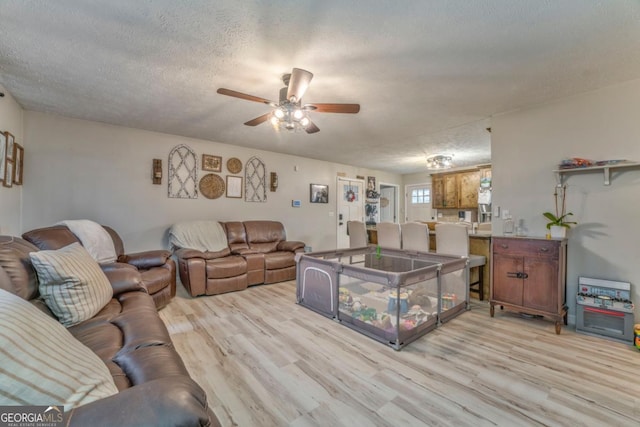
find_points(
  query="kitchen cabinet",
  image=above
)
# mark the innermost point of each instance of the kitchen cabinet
(529, 276)
(437, 187)
(468, 184)
(455, 190)
(445, 191)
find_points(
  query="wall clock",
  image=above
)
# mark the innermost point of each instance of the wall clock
(212, 186)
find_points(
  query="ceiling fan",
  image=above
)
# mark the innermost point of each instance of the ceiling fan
(289, 112)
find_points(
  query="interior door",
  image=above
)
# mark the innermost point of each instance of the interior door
(388, 203)
(418, 201)
(350, 207)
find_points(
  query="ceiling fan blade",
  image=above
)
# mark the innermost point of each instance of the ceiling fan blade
(333, 108)
(298, 83)
(258, 120)
(312, 128)
(235, 94)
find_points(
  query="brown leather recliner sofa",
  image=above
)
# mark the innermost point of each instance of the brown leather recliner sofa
(258, 252)
(128, 335)
(156, 268)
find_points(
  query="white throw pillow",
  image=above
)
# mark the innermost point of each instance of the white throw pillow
(41, 363)
(71, 282)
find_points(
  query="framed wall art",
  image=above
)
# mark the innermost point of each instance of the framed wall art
(183, 173)
(8, 173)
(255, 181)
(18, 163)
(234, 187)
(3, 154)
(319, 193)
(211, 163)
(10, 142)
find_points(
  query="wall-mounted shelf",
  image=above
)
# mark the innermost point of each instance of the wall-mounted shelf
(606, 170)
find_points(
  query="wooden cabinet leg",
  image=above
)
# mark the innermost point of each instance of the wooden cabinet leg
(492, 310)
(558, 327)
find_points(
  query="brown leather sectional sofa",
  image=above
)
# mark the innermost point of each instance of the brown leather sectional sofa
(130, 338)
(156, 268)
(258, 252)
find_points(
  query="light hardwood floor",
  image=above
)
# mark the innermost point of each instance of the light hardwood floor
(266, 361)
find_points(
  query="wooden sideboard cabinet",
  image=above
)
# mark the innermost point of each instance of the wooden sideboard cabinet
(529, 276)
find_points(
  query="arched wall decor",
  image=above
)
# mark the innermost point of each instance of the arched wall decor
(183, 173)
(255, 189)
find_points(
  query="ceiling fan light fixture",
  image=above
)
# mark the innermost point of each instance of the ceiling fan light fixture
(289, 113)
(440, 161)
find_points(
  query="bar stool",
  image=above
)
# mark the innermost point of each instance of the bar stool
(415, 236)
(453, 239)
(389, 235)
(357, 232)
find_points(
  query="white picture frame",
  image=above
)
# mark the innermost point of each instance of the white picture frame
(234, 187)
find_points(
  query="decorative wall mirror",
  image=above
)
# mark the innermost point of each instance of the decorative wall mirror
(183, 173)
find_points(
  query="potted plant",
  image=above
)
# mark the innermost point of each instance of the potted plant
(558, 224)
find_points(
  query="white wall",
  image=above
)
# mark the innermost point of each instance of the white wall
(80, 169)
(527, 145)
(11, 198)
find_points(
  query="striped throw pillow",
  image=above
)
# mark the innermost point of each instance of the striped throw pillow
(41, 363)
(71, 282)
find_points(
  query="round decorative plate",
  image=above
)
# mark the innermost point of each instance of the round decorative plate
(212, 186)
(234, 165)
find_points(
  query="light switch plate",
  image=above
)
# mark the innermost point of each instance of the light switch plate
(496, 211)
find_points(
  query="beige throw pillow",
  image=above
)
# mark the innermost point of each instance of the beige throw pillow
(41, 363)
(71, 282)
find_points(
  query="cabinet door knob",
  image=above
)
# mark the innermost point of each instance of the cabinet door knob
(544, 249)
(504, 246)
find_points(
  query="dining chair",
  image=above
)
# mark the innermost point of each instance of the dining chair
(415, 236)
(389, 235)
(357, 232)
(453, 239)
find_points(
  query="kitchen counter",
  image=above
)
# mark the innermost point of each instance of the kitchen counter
(477, 234)
(479, 244)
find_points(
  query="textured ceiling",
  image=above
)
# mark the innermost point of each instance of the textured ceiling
(428, 74)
